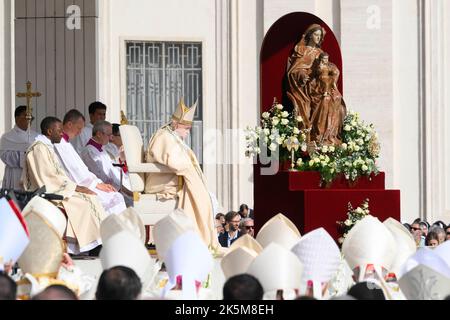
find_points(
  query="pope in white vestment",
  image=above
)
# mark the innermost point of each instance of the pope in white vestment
(42, 167)
(112, 201)
(13, 145)
(187, 182)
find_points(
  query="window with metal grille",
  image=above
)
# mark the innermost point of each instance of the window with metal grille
(158, 75)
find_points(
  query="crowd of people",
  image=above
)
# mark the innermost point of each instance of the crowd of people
(72, 159)
(428, 235)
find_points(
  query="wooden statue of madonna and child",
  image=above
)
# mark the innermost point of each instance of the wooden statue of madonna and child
(311, 86)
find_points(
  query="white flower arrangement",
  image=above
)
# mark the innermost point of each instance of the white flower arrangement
(353, 216)
(355, 157)
(278, 128)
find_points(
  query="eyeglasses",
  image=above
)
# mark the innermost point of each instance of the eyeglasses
(249, 227)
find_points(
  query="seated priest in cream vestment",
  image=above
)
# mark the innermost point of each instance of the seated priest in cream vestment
(42, 167)
(77, 171)
(13, 146)
(187, 183)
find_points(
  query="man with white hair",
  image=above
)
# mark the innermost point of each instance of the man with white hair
(247, 226)
(98, 161)
(186, 182)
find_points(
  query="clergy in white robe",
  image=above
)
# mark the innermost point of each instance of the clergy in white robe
(42, 167)
(99, 162)
(13, 145)
(73, 123)
(97, 112)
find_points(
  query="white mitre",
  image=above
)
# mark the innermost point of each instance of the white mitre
(246, 241)
(122, 248)
(126, 220)
(49, 212)
(237, 261)
(41, 261)
(405, 244)
(189, 258)
(320, 257)
(278, 229)
(443, 251)
(425, 283)
(46, 224)
(427, 257)
(369, 242)
(168, 229)
(277, 268)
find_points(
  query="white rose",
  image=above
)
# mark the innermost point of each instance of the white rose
(267, 131)
(279, 140)
(360, 141)
(311, 163)
(331, 149)
(353, 123)
(299, 162)
(357, 148)
(275, 121)
(359, 210)
(284, 121)
(271, 137)
(348, 222)
(296, 130)
(285, 114)
(299, 119)
(279, 106)
(344, 146)
(347, 128)
(364, 168)
(325, 149)
(265, 115)
(316, 160)
(273, 146)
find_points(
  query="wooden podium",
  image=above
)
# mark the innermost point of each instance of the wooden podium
(298, 196)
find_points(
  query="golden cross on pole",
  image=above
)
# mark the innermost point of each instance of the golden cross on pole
(29, 95)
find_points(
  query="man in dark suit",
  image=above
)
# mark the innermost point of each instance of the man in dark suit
(245, 212)
(232, 218)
